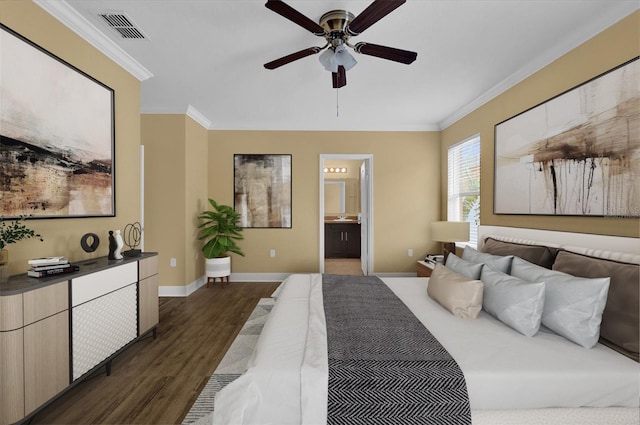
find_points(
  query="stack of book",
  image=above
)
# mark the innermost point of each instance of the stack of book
(49, 266)
(433, 259)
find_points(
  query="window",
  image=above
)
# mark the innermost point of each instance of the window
(464, 185)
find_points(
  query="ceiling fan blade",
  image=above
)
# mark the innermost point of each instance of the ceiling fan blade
(283, 9)
(339, 78)
(372, 14)
(292, 57)
(389, 53)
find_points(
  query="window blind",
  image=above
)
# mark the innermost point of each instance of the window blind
(464, 184)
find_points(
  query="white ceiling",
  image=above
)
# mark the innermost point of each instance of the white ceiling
(206, 57)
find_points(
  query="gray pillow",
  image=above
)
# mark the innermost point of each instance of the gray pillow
(536, 254)
(621, 317)
(464, 267)
(515, 302)
(495, 262)
(455, 292)
(572, 305)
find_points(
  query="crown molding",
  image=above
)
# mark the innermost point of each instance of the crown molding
(607, 20)
(190, 111)
(198, 117)
(68, 16)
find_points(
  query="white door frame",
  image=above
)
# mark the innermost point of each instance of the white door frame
(366, 209)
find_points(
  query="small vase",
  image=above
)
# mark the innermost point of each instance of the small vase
(4, 266)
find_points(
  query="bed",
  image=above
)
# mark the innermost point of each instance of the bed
(510, 378)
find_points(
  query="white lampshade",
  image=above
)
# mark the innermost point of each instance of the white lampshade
(332, 58)
(450, 231)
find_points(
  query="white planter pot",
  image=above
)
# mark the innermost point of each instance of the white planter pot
(218, 267)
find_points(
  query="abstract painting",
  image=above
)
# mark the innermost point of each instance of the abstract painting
(56, 136)
(262, 190)
(577, 154)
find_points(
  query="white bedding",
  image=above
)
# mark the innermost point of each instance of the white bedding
(505, 371)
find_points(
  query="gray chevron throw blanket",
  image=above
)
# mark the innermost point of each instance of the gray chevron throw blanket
(385, 367)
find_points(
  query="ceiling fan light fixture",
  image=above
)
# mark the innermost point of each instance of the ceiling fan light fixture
(337, 27)
(328, 61)
(336, 56)
(344, 58)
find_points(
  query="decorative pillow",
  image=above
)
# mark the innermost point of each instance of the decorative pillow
(515, 302)
(620, 320)
(536, 254)
(455, 292)
(495, 262)
(572, 305)
(464, 267)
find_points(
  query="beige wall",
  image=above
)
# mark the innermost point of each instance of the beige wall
(175, 192)
(185, 163)
(607, 50)
(62, 236)
(406, 169)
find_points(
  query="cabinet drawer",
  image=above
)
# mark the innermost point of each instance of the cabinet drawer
(11, 316)
(148, 267)
(45, 302)
(94, 285)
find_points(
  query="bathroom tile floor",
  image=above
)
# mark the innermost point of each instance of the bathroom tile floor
(348, 266)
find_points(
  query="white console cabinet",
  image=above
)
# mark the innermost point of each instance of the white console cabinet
(57, 330)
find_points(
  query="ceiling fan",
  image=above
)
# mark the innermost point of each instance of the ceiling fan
(337, 26)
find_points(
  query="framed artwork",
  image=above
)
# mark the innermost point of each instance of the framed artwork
(57, 137)
(577, 154)
(262, 190)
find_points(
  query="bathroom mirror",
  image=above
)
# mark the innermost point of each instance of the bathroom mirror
(334, 196)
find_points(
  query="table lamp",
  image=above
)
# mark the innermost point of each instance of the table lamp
(450, 232)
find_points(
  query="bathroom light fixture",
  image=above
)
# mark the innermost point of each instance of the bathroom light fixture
(335, 170)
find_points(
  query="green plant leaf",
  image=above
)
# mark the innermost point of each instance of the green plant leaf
(220, 231)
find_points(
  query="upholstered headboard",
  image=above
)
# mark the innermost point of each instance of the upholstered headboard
(617, 244)
(587, 256)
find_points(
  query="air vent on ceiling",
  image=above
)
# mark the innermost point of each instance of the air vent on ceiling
(121, 23)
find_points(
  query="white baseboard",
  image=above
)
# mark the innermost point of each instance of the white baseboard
(186, 290)
(181, 291)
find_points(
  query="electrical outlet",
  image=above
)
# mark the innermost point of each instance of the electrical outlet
(410, 252)
(272, 253)
(172, 262)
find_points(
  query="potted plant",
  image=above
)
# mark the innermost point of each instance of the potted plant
(220, 230)
(12, 232)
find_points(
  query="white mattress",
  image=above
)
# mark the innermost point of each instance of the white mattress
(504, 370)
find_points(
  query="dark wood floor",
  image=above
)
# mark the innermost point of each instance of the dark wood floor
(157, 381)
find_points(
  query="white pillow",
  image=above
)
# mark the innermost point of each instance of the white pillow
(515, 302)
(464, 267)
(573, 306)
(455, 292)
(496, 262)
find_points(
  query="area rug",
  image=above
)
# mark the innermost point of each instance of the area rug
(233, 364)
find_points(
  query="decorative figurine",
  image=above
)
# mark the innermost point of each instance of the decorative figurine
(113, 245)
(119, 244)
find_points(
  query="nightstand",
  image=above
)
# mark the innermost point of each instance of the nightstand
(424, 268)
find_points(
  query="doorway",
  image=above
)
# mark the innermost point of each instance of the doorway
(362, 169)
